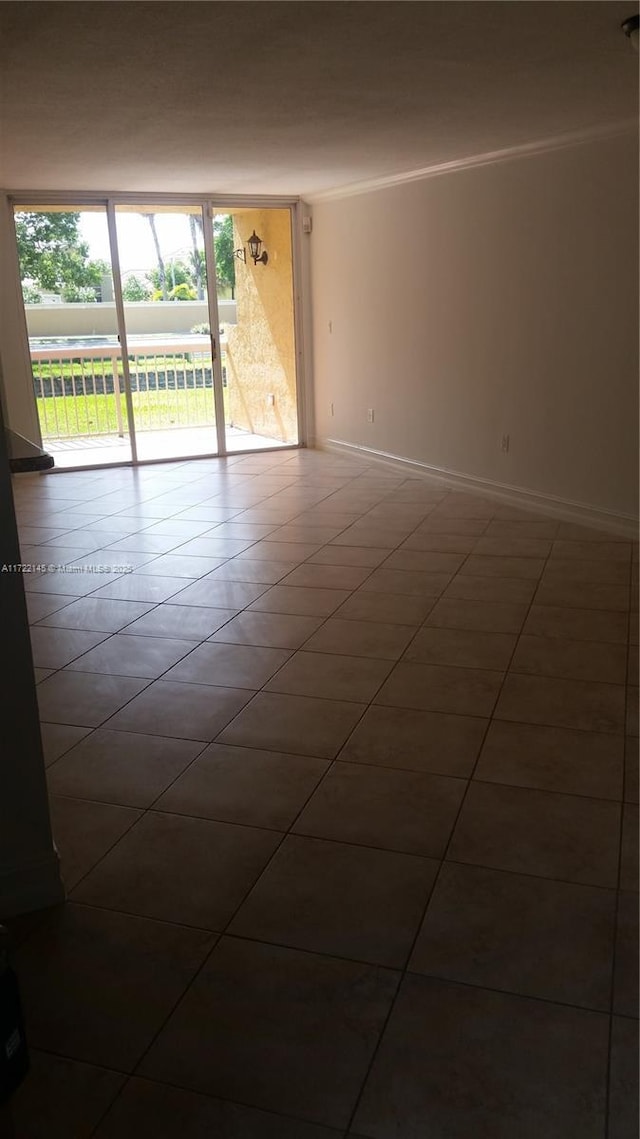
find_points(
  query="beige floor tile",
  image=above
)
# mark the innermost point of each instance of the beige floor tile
(623, 1079)
(360, 638)
(583, 595)
(452, 1062)
(212, 547)
(416, 741)
(629, 849)
(296, 724)
(121, 767)
(429, 541)
(183, 711)
(536, 832)
(85, 699)
(176, 869)
(424, 561)
(230, 666)
(164, 1112)
(300, 601)
(573, 660)
(510, 547)
(258, 572)
(40, 605)
(407, 811)
(330, 676)
(54, 648)
(246, 786)
(327, 576)
(576, 624)
(181, 622)
(62, 1097)
(552, 759)
(137, 587)
(574, 570)
(593, 550)
(481, 565)
(179, 565)
(84, 832)
(410, 583)
(467, 527)
(484, 616)
(97, 614)
(329, 897)
(469, 649)
(587, 705)
(97, 986)
(625, 981)
(631, 769)
(349, 556)
(277, 1028)
(219, 594)
(439, 688)
(503, 589)
(390, 608)
(520, 934)
(631, 719)
(272, 630)
(130, 655)
(58, 738)
(524, 528)
(294, 552)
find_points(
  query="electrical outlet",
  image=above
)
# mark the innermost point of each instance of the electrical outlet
(369, 415)
(504, 445)
(331, 411)
(271, 399)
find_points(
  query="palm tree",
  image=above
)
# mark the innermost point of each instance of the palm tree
(151, 218)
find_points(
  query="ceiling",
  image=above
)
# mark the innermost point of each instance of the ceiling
(295, 97)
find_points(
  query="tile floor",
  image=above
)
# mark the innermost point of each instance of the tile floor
(344, 783)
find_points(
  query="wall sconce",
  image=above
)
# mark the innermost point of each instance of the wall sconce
(255, 245)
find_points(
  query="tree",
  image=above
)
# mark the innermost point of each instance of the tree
(176, 274)
(133, 289)
(53, 256)
(225, 260)
(151, 218)
(197, 255)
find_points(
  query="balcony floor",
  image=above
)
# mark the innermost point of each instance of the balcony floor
(177, 443)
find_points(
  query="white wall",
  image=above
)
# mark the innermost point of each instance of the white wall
(518, 314)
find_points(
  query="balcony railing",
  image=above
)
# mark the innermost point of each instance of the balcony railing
(79, 388)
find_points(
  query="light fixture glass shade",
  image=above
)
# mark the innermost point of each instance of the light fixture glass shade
(254, 244)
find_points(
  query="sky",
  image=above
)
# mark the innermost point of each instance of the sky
(135, 243)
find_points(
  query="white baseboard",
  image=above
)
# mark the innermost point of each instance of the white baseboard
(624, 525)
(31, 887)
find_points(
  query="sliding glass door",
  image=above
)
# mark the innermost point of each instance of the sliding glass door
(78, 374)
(159, 330)
(255, 276)
(167, 315)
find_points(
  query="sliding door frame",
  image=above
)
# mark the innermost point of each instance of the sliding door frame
(210, 204)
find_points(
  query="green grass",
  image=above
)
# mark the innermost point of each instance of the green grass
(66, 416)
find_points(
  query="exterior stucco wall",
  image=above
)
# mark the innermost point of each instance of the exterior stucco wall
(260, 354)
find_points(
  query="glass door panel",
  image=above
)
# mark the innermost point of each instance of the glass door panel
(67, 288)
(163, 271)
(257, 330)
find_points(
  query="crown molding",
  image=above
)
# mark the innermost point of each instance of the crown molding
(490, 158)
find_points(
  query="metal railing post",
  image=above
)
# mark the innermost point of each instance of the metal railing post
(116, 392)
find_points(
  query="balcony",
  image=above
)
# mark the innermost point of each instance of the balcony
(79, 391)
